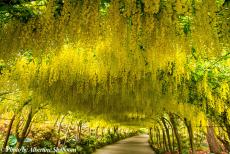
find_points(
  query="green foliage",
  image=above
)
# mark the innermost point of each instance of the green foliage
(47, 144)
(5, 16)
(58, 7)
(104, 6)
(71, 142)
(44, 138)
(22, 13)
(220, 2)
(185, 22)
(12, 141)
(28, 55)
(21, 10)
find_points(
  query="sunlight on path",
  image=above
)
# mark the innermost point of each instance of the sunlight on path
(133, 145)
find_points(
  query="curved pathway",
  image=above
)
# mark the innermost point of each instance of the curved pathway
(132, 145)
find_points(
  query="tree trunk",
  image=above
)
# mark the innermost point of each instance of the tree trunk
(156, 138)
(55, 123)
(228, 129)
(25, 129)
(175, 130)
(214, 146)
(109, 131)
(17, 115)
(96, 133)
(89, 131)
(165, 147)
(8, 133)
(167, 134)
(225, 143)
(79, 130)
(190, 133)
(150, 135)
(17, 127)
(115, 130)
(226, 123)
(59, 130)
(159, 137)
(67, 134)
(102, 131)
(173, 141)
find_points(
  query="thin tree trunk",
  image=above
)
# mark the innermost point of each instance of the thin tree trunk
(150, 134)
(79, 130)
(159, 137)
(214, 146)
(109, 131)
(226, 123)
(173, 141)
(25, 129)
(190, 133)
(97, 132)
(102, 131)
(67, 134)
(29, 129)
(165, 147)
(59, 130)
(167, 134)
(17, 127)
(55, 123)
(175, 130)
(157, 132)
(8, 133)
(17, 115)
(115, 130)
(225, 143)
(89, 131)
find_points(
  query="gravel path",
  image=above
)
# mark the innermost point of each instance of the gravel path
(132, 145)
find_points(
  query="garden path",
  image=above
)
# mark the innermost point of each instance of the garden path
(133, 145)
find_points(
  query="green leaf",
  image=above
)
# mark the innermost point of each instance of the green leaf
(12, 140)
